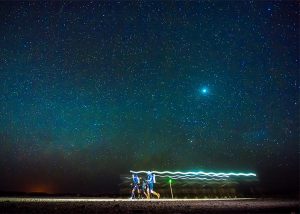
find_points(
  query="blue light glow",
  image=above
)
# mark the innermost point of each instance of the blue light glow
(203, 90)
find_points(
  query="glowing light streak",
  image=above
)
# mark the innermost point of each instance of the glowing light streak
(212, 174)
(176, 177)
(193, 175)
(192, 178)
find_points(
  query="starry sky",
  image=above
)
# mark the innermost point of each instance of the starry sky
(93, 89)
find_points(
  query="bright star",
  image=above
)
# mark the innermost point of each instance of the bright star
(204, 91)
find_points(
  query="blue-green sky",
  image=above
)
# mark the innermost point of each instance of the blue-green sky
(92, 89)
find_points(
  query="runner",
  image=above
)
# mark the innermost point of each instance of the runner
(136, 182)
(151, 181)
(143, 189)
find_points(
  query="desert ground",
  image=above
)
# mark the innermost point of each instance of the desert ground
(99, 205)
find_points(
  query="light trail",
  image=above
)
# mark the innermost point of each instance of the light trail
(191, 178)
(186, 178)
(193, 175)
(211, 174)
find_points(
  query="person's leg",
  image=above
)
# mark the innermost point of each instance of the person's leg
(139, 192)
(156, 194)
(151, 189)
(132, 193)
(145, 193)
(148, 192)
(153, 192)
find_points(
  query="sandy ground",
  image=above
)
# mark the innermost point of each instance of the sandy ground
(96, 205)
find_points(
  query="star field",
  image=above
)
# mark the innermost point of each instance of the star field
(90, 90)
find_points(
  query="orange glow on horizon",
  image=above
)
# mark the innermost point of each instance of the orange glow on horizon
(41, 188)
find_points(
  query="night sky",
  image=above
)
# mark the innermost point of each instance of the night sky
(91, 90)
